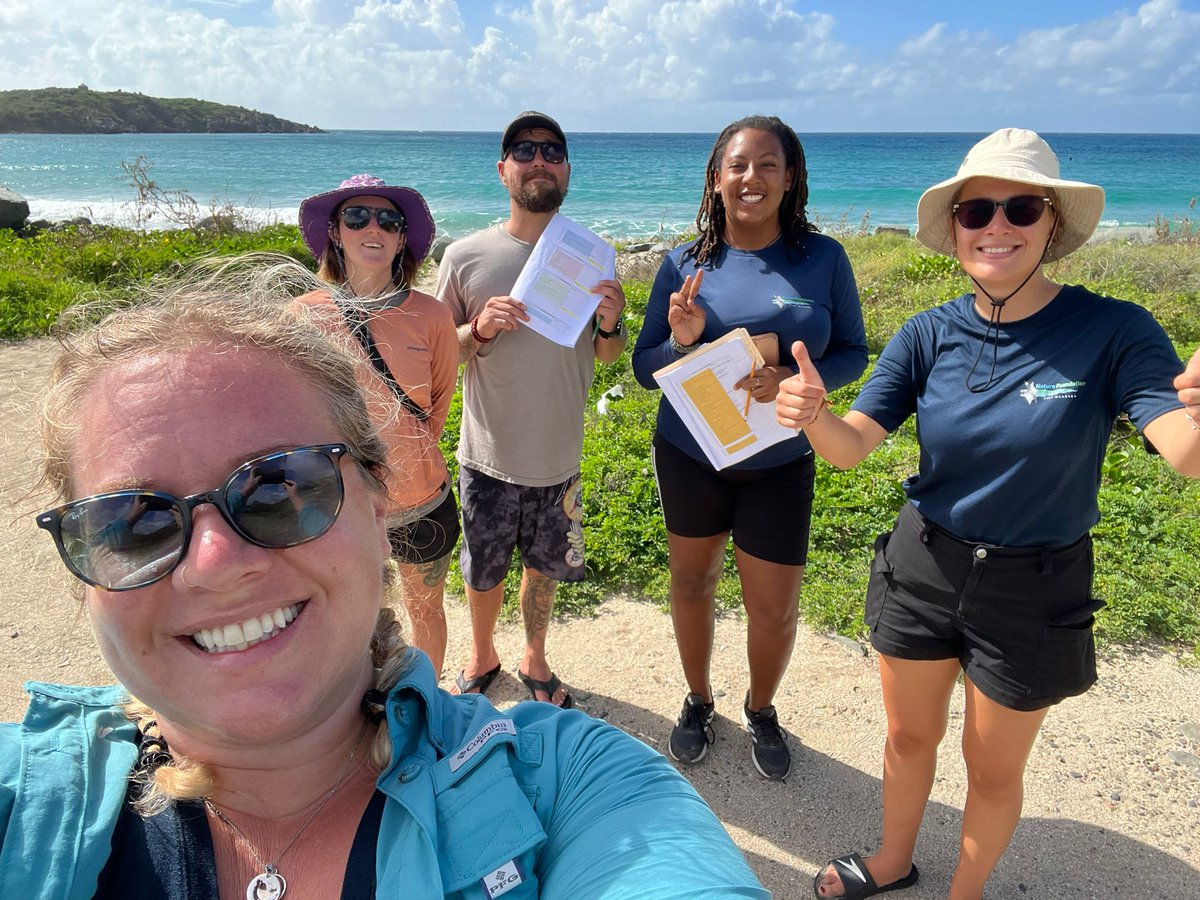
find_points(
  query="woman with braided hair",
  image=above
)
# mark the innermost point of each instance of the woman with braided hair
(758, 263)
(223, 496)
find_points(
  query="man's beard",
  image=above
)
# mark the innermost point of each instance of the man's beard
(539, 195)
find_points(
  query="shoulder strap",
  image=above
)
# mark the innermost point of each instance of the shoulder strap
(358, 326)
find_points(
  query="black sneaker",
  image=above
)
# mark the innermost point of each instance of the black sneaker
(693, 732)
(770, 751)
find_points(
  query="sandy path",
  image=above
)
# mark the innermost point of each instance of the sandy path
(1112, 795)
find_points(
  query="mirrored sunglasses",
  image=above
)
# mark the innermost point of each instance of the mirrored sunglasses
(124, 540)
(552, 151)
(1022, 211)
(358, 217)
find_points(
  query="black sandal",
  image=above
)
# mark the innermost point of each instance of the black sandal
(857, 881)
(477, 685)
(548, 687)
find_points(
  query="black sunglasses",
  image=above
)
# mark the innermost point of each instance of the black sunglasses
(552, 151)
(390, 220)
(1021, 211)
(124, 540)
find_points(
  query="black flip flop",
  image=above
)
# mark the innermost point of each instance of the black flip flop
(477, 685)
(857, 881)
(548, 687)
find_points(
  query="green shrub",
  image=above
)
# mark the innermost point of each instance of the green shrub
(1145, 542)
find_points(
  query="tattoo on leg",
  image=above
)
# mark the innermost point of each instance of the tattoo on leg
(434, 573)
(537, 603)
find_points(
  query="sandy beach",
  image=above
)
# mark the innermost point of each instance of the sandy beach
(1112, 793)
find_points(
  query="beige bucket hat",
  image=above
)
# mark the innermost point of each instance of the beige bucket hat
(1013, 154)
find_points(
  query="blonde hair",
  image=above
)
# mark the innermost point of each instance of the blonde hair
(228, 306)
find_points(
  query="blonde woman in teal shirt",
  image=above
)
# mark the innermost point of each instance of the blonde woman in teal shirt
(271, 734)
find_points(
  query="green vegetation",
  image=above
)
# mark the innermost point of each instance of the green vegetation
(1146, 542)
(82, 111)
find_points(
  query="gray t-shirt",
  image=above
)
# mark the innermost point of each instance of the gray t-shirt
(523, 394)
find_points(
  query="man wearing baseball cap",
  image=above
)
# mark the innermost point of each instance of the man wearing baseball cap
(522, 419)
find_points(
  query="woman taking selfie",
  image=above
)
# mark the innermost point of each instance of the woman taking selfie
(224, 500)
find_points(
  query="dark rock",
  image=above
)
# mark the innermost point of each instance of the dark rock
(1189, 761)
(888, 229)
(83, 223)
(440, 243)
(638, 248)
(14, 209)
(850, 644)
(218, 223)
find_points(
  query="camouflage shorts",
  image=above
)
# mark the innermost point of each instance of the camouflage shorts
(544, 523)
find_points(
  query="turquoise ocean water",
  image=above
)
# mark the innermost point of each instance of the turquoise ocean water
(623, 185)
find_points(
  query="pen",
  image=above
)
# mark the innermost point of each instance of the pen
(746, 411)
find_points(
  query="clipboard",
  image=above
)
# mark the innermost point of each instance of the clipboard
(768, 346)
(700, 388)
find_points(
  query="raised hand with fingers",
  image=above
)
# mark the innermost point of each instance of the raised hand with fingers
(685, 315)
(801, 396)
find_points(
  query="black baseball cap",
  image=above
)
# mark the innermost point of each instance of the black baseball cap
(531, 118)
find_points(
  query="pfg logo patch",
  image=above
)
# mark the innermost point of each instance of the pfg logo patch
(503, 880)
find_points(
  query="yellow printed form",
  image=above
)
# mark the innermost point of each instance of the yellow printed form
(717, 409)
(702, 388)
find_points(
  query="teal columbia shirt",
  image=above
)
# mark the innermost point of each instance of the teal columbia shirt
(531, 802)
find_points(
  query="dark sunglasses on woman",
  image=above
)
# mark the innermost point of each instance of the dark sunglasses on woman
(357, 217)
(1022, 211)
(122, 540)
(552, 151)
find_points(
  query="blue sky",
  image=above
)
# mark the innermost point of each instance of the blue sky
(633, 65)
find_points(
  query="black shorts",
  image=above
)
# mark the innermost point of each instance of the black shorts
(1019, 620)
(428, 538)
(769, 511)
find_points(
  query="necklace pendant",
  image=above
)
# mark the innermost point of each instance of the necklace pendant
(270, 885)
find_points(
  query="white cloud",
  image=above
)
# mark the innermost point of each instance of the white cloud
(613, 64)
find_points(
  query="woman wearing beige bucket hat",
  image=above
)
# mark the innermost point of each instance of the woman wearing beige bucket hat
(369, 239)
(988, 570)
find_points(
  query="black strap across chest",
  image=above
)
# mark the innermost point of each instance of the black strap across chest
(357, 323)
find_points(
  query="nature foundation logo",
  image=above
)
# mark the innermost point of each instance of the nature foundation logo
(783, 302)
(1062, 390)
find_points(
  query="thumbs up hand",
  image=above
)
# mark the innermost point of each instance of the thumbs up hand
(800, 397)
(1188, 385)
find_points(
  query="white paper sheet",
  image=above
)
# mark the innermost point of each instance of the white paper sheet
(558, 277)
(700, 387)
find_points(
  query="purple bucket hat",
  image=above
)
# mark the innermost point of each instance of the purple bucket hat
(317, 211)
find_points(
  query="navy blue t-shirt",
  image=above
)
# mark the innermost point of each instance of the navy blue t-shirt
(805, 294)
(1018, 464)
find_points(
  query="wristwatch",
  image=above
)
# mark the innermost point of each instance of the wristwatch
(617, 331)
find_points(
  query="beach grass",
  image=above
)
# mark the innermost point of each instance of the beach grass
(1145, 542)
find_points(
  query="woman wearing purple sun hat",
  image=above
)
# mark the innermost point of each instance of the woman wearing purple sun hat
(369, 239)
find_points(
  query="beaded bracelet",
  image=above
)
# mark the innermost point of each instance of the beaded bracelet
(680, 348)
(475, 332)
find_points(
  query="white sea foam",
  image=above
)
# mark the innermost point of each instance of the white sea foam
(124, 214)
